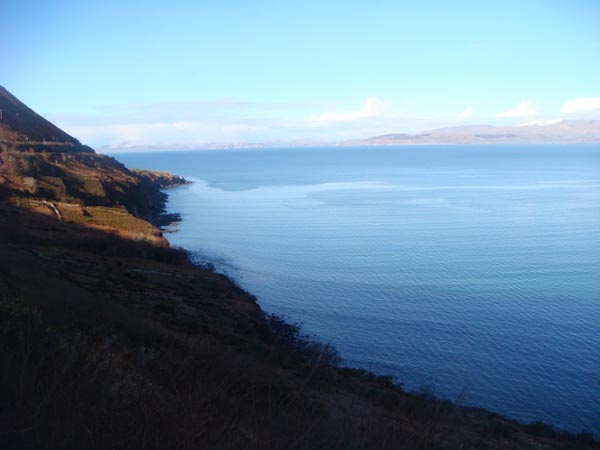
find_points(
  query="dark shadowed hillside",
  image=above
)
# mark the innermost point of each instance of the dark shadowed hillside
(18, 123)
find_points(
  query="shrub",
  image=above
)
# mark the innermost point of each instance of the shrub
(541, 429)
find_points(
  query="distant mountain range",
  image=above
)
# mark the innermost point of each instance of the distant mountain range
(555, 132)
(20, 125)
(536, 132)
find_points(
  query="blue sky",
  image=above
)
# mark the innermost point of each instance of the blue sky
(122, 73)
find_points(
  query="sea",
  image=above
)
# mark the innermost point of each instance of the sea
(470, 272)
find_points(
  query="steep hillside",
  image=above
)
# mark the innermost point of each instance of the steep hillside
(38, 160)
(77, 177)
(20, 124)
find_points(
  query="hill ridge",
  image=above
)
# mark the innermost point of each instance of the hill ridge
(21, 124)
(558, 132)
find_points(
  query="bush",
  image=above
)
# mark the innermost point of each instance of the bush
(320, 355)
(541, 429)
(19, 324)
(501, 429)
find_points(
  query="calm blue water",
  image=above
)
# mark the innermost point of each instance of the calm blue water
(472, 270)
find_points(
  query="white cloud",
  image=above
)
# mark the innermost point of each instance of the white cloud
(540, 122)
(523, 109)
(466, 113)
(373, 107)
(581, 105)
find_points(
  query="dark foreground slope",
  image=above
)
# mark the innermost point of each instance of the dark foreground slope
(109, 338)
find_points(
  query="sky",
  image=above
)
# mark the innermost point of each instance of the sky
(121, 73)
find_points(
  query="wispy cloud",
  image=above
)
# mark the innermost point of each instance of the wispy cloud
(185, 122)
(466, 114)
(117, 133)
(523, 109)
(540, 122)
(582, 104)
(229, 120)
(373, 107)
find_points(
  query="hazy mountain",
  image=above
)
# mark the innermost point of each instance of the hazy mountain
(560, 132)
(536, 132)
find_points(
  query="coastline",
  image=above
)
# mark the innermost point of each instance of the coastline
(155, 308)
(110, 337)
(288, 334)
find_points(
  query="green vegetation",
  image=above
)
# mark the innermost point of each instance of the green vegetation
(94, 188)
(116, 218)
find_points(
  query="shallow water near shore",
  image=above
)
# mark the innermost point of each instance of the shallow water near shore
(472, 270)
